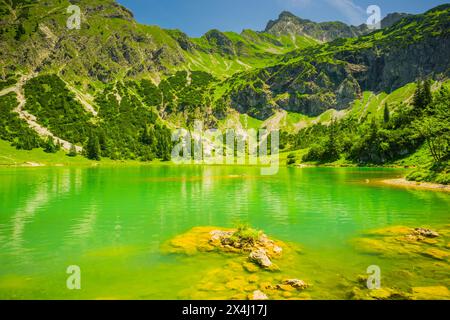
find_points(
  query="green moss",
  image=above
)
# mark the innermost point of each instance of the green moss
(245, 234)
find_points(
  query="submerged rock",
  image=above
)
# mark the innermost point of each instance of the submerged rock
(425, 258)
(285, 287)
(190, 243)
(431, 293)
(436, 254)
(236, 284)
(362, 293)
(403, 241)
(380, 294)
(296, 283)
(250, 267)
(239, 296)
(390, 231)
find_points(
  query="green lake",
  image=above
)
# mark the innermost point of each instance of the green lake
(113, 222)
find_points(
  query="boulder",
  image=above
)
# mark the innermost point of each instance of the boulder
(427, 233)
(277, 249)
(219, 235)
(296, 283)
(260, 257)
(258, 295)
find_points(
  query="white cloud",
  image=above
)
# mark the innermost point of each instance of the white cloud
(354, 13)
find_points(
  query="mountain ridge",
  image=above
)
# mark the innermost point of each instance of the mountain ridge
(138, 81)
(290, 24)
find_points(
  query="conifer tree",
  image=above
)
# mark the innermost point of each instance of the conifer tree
(387, 113)
(93, 148)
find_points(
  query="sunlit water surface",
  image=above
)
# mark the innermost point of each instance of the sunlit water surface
(112, 223)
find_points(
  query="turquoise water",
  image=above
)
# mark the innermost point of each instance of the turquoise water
(112, 223)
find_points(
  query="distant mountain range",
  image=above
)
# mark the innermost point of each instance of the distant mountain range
(289, 24)
(113, 44)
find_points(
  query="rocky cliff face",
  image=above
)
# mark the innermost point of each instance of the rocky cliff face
(393, 18)
(321, 86)
(399, 65)
(333, 75)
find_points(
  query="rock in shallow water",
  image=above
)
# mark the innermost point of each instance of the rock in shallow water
(285, 287)
(296, 283)
(436, 254)
(427, 233)
(260, 257)
(218, 235)
(258, 295)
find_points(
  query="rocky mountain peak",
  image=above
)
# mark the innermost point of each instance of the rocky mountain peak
(286, 15)
(289, 24)
(393, 18)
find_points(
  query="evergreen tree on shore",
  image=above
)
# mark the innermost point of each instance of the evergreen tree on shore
(423, 96)
(93, 148)
(49, 146)
(72, 151)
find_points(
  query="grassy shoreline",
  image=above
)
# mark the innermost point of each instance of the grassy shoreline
(13, 158)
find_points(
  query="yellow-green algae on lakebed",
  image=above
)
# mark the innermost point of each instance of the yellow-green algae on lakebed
(241, 278)
(426, 250)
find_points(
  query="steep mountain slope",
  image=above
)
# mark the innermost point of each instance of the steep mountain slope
(108, 45)
(111, 45)
(333, 75)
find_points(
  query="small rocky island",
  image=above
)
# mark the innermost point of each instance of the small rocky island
(251, 272)
(255, 267)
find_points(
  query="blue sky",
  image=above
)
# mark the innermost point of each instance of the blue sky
(195, 17)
